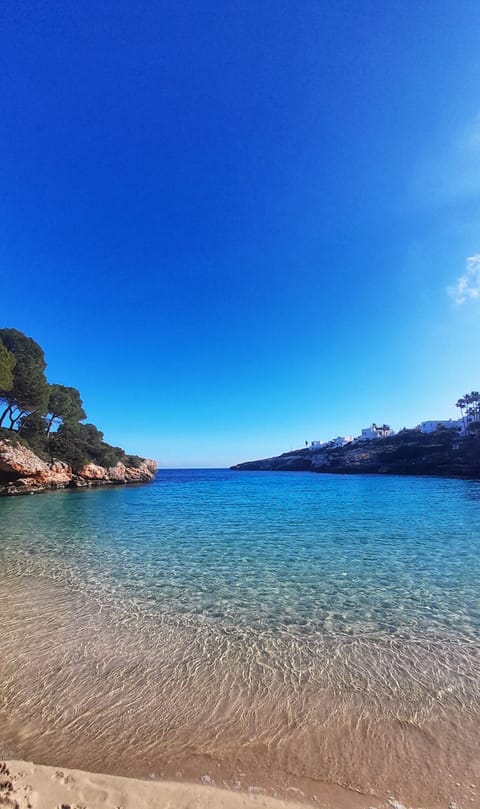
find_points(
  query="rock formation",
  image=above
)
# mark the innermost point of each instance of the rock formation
(23, 472)
(407, 453)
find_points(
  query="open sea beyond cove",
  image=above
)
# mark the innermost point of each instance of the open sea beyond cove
(277, 631)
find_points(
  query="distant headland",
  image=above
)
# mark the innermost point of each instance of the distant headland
(44, 442)
(444, 447)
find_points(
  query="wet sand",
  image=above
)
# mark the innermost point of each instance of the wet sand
(79, 690)
(24, 785)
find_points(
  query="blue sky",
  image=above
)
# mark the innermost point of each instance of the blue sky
(238, 226)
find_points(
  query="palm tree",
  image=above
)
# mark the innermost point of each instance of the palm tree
(461, 404)
(474, 404)
(471, 403)
(468, 409)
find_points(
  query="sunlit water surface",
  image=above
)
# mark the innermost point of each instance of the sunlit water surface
(268, 628)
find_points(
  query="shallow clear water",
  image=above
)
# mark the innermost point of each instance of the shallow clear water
(276, 604)
(308, 552)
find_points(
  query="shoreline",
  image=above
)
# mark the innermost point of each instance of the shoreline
(25, 785)
(24, 472)
(15, 490)
(410, 452)
(363, 472)
(98, 681)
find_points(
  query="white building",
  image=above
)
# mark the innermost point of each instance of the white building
(372, 432)
(339, 441)
(460, 425)
(434, 424)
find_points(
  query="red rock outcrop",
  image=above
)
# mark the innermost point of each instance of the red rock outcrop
(23, 472)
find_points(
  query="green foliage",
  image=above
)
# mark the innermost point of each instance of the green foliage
(33, 409)
(97, 450)
(472, 404)
(7, 364)
(470, 409)
(64, 405)
(133, 460)
(13, 438)
(33, 431)
(79, 444)
(68, 445)
(29, 391)
(110, 456)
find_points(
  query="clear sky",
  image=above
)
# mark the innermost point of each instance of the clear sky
(237, 226)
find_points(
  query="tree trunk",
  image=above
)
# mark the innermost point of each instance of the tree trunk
(4, 414)
(49, 425)
(13, 421)
(22, 413)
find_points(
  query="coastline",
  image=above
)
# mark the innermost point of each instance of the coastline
(24, 785)
(24, 472)
(438, 454)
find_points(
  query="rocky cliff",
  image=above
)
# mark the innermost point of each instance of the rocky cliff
(407, 453)
(23, 472)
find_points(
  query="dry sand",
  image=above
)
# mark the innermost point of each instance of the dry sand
(32, 786)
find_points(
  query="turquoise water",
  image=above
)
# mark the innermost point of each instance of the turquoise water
(309, 552)
(275, 621)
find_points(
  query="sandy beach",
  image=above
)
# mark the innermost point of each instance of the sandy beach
(24, 785)
(106, 667)
(31, 786)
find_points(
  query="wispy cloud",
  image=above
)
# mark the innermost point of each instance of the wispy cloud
(468, 285)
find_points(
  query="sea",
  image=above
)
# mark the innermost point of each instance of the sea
(275, 632)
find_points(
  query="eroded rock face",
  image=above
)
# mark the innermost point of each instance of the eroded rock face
(23, 472)
(119, 473)
(409, 452)
(17, 459)
(132, 474)
(91, 471)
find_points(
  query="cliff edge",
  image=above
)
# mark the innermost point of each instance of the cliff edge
(409, 452)
(23, 472)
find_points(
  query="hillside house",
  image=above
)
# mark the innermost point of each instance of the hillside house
(374, 431)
